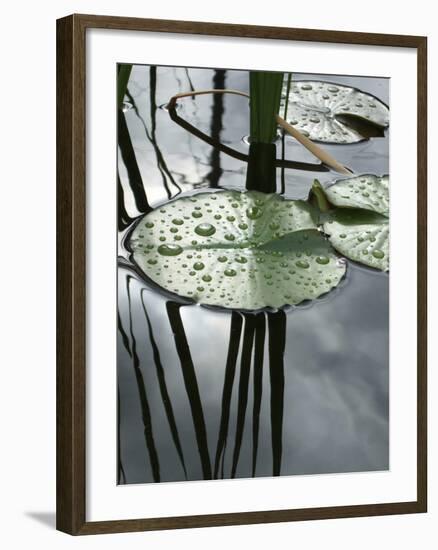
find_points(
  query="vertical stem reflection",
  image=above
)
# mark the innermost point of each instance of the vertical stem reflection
(191, 385)
(161, 163)
(146, 413)
(123, 334)
(130, 161)
(259, 351)
(163, 388)
(124, 219)
(277, 341)
(189, 80)
(215, 173)
(123, 74)
(121, 475)
(245, 366)
(230, 371)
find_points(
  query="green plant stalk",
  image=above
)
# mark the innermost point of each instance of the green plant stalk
(283, 180)
(317, 193)
(261, 171)
(265, 95)
(122, 83)
(286, 104)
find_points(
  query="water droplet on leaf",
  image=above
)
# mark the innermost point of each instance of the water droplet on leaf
(169, 249)
(205, 230)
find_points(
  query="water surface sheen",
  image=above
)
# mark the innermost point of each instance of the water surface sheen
(207, 393)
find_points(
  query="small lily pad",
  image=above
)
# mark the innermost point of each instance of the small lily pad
(244, 250)
(368, 192)
(359, 227)
(334, 113)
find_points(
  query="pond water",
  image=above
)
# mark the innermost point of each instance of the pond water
(206, 393)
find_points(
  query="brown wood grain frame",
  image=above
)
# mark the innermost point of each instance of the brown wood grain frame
(71, 271)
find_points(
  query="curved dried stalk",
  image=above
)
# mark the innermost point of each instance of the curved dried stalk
(317, 151)
(296, 165)
(174, 98)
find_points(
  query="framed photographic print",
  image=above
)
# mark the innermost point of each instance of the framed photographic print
(241, 279)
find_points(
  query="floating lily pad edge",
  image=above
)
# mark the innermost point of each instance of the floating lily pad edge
(358, 225)
(283, 260)
(320, 111)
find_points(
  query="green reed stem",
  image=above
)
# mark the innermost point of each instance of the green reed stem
(265, 94)
(286, 104)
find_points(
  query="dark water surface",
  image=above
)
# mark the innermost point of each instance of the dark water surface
(205, 393)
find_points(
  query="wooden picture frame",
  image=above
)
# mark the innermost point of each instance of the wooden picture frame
(71, 271)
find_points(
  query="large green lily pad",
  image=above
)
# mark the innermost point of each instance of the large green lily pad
(322, 111)
(359, 227)
(245, 250)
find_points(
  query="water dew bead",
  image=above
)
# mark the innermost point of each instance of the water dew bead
(303, 264)
(205, 230)
(254, 212)
(169, 249)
